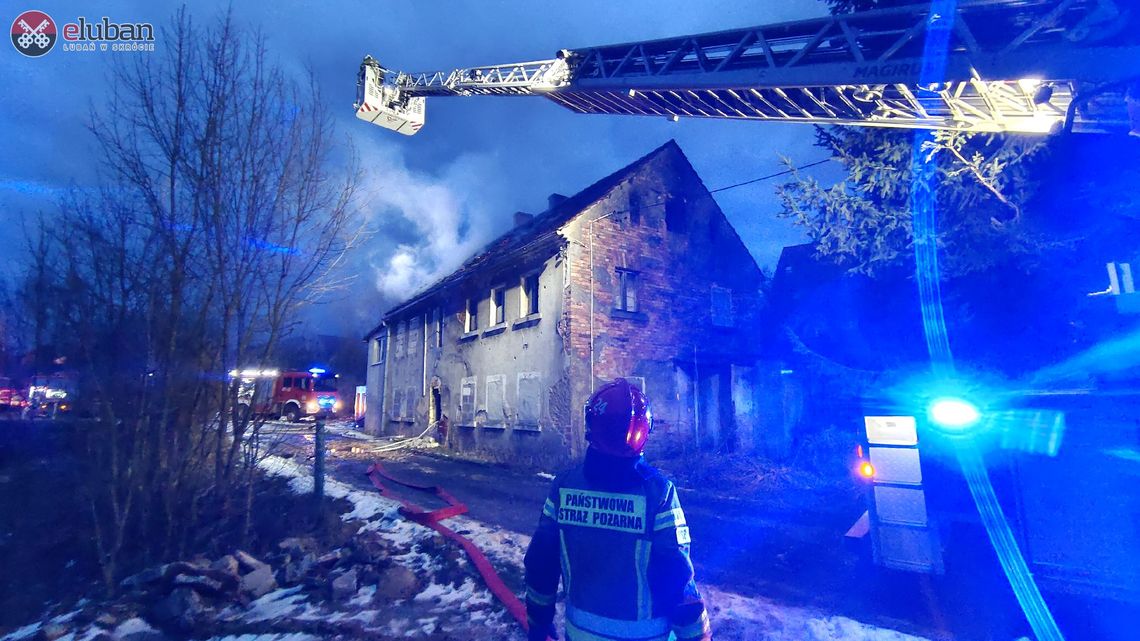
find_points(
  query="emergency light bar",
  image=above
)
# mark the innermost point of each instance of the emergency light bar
(254, 373)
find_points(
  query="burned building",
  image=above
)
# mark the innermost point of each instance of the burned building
(639, 275)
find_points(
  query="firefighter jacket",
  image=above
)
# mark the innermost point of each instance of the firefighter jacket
(614, 532)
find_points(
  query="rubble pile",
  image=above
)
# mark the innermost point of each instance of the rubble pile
(373, 586)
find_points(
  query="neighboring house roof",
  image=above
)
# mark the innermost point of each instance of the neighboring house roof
(799, 269)
(539, 232)
(845, 318)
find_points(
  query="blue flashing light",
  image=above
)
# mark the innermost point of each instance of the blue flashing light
(954, 413)
(316, 371)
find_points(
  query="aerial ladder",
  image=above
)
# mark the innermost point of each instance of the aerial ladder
(1018, 66)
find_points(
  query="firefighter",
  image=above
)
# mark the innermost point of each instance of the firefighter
(613, 531)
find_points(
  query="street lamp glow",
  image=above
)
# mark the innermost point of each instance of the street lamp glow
(954, 413)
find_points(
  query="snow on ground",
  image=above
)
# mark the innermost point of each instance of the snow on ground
(462, 605)
(295, 636)
(444, 605)
(742, 618)
(32, 629)
(734, 617)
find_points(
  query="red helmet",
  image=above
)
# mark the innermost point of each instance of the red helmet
(618, 419)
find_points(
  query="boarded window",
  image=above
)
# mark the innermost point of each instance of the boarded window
(627, 290)
(467, 400)
(397, 405)
(410, 398)
(398, 335)
(721, 306)
(530, 398)
(496, 406)
(529, 299)
(415, 332)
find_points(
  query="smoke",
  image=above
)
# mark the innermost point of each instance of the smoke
(429, 222)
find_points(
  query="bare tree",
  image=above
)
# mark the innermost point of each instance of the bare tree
(220, 216)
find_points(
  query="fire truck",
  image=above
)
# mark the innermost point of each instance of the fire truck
(1037, 67)
(50, 395)
(1047, 468)
(11, 396)
(290, 395)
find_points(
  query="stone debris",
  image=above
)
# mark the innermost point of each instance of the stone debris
(296, 569)
(247, 562)
(344, 586)
(258, 583)
(398, 582)
(298, 544)
(386, 580)
(180, 610)
(228, 564)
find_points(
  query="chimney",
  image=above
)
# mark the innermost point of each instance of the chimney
(522, 218)
(554, 200)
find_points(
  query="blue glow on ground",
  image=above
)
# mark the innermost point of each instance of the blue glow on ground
(925, 225)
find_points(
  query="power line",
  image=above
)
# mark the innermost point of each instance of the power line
(770, 176)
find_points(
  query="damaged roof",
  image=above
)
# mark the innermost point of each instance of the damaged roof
(541, 232)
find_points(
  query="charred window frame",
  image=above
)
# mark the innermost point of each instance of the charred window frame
(471, 315)
(528, 301)
(498, 306)
(379, 348)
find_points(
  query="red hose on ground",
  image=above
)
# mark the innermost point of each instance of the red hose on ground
(432, 519)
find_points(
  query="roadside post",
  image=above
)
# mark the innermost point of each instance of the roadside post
(319, 460)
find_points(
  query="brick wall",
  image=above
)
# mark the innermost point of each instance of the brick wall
(663, 226)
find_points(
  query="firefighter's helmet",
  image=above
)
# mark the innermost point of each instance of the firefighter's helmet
(618, 419)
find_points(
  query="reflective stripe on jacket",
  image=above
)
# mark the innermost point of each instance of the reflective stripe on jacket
(614, 532)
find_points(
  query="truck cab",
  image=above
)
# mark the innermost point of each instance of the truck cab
(51, 395)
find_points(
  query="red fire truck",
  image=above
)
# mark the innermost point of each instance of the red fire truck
(289, 394)
(11, 396)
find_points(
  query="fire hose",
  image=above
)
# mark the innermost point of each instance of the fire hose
(432, 518)
(391, 447)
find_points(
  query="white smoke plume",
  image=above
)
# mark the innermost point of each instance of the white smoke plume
(451, 213)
